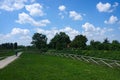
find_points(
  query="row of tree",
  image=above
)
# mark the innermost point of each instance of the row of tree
(8, 45)
(62, 41)
(105, 45)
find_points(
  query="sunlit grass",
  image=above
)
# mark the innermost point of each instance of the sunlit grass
(45, 67)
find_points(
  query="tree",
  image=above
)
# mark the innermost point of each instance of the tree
(115, 45)
(15, 45)
(79, 42)
(106, 44)
(96, 45)
(7, 46)
(39, 41)
(60, 41)
(106, 41)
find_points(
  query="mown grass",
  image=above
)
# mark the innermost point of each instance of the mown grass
(32, 66)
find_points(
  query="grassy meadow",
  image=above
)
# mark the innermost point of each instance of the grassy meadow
(33, 66)
(107, 54)
(4, 53)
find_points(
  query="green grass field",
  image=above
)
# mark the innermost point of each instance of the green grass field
(4, 53)
(115, 55)
(31, 66)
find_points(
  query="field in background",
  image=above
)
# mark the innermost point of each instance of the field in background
(33, 66)
(4, 53)
(115, 55)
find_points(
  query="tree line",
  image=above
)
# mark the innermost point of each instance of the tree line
(62, 41)
(8, 45)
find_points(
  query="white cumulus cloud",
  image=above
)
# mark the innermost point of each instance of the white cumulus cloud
(11, 5)
(75, 16)
(21, 36)
(35, 9)
(25, 18)
(51, 33)
(106, 7)
(93, 32)
(112, 20)
(62, 8)
(19, 31)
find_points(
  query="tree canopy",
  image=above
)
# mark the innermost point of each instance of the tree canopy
(8, 45)
(39, 41)
(79, 42)
(60, 41)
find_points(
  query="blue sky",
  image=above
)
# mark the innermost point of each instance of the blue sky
(97, 19)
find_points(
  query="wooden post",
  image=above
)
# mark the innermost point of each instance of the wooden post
(106, 63)
(94, 61)
(84, 59)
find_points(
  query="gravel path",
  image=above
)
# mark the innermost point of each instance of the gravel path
(8, 60)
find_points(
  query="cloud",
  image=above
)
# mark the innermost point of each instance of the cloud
(89, 29)
(11, 5)
(35, 9)
(61, 15)
(62, 8)
(75, 16)
(62, 12)
(106, 7)
(17, 35)
(103, 7)
(70, 31)
(112, 20)
(25, 18)
(51, 33)
(19, 31)
(93, 32)
(115, 4)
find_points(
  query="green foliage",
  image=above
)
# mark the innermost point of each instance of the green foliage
(43, 67)
(60, 41)
(115, 45)
(105, 45)
(96, 45)
(79, 42)
(40, 41)
(15, 45)
(115, 55)
(8, 46)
